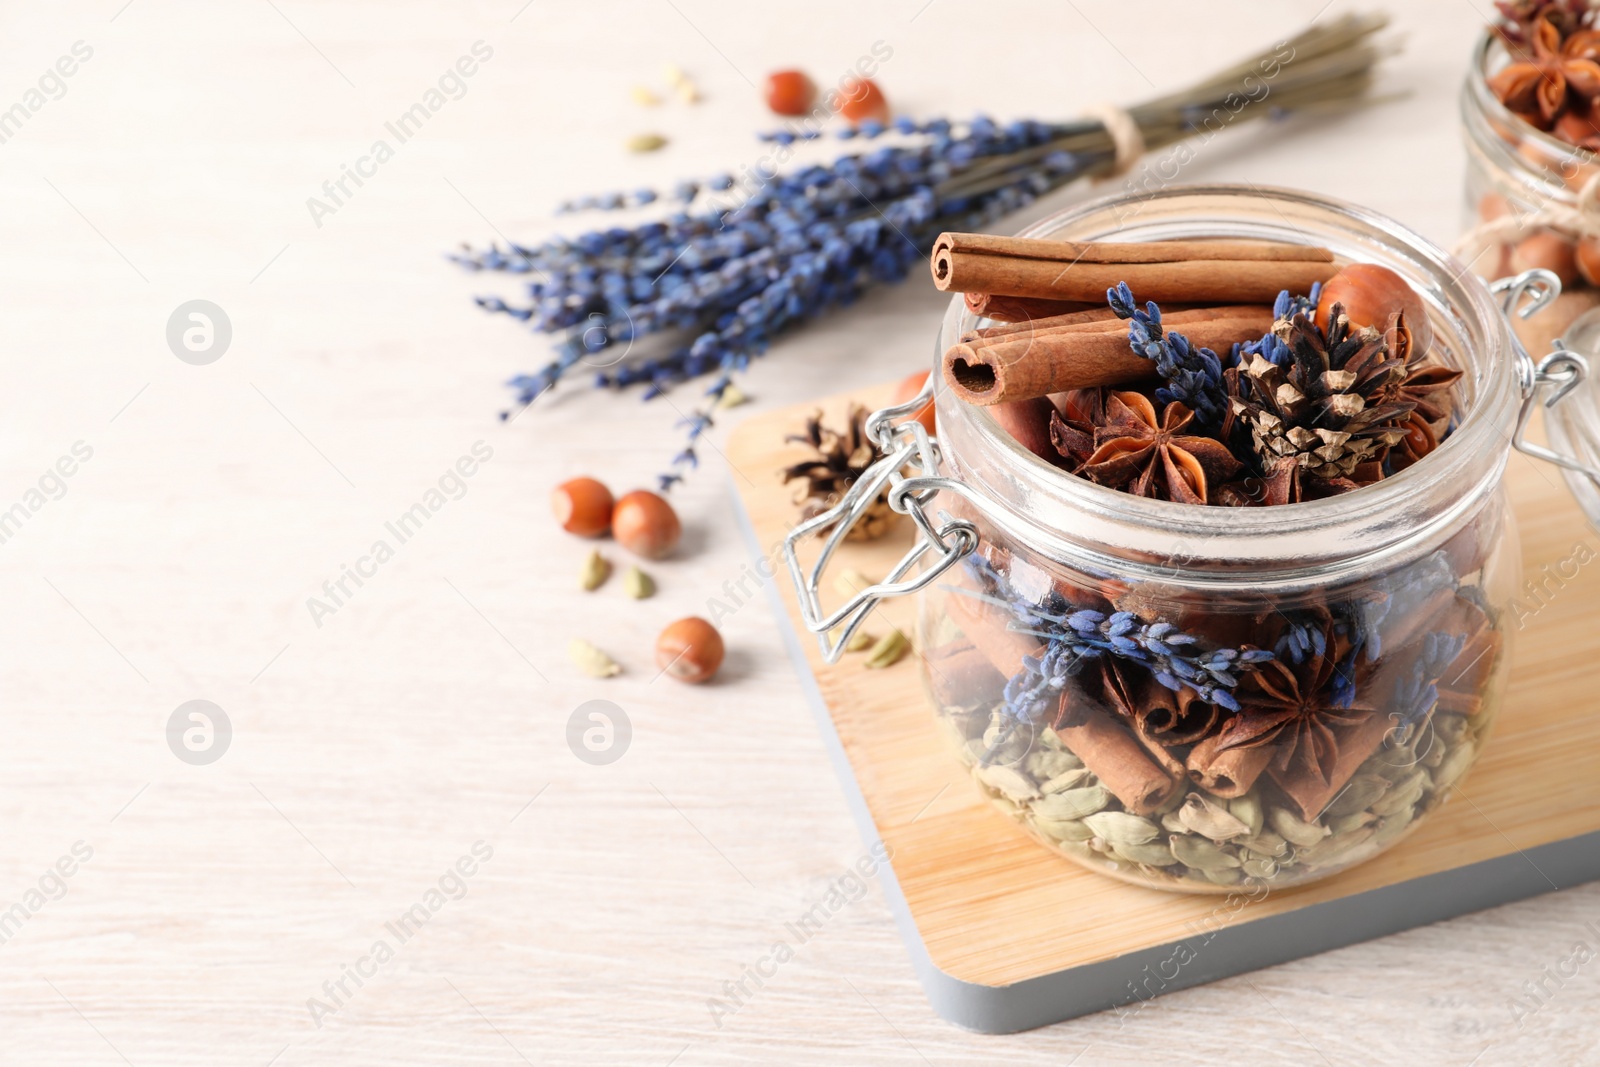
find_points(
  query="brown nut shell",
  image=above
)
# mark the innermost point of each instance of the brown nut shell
(690, 650)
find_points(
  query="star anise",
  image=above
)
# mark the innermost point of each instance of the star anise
(1425, 387)
(1519, 16)
(1151, 456)
(1296, 710)
(1550, 75)
(1072, 430)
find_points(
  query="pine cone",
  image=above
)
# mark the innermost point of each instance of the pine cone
(1326, 409)
(840, 458)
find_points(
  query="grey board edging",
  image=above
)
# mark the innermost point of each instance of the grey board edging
(1126, 981)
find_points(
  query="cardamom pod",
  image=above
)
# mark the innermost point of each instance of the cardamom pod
(1046, 763)
(1261, 867)
(637, 584)
(1417, 775)
(1224, 876)
(1064, 829)
(1197, 852)
(1008, 780)
(1119, 828)
(590, 660)
(1354, 821)
(1171, 824)
(1454, 765)
(1391, 827)
(595, 570)
(1398, 800)
(1294, 829)
(850, 581)
(1450, 726)
(1266, 844)
(1209, 819)
(646, 142)
(1337, 851)
(1247, 809)
(889, 650)
(1073, 803)
(1357, 795)
(1073, 779)
(859, 641)
(1151, 854)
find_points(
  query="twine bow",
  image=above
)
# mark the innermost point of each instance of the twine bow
(1580, 219)
(1127, 142)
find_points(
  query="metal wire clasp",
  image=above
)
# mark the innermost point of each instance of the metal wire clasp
(1553, 377)
(904, 445)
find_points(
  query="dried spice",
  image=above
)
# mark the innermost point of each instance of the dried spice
(590, 660)
(637, 584)
(839, 458)
(1147, 456)
(888, 650)
(1074, 424)
(1296, 711)
(593, 572)
(1315, 422)
(1550, 75)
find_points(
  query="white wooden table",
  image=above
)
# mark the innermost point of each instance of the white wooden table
(428, 712)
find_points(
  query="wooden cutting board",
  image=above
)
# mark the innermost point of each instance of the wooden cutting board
(1007, 935)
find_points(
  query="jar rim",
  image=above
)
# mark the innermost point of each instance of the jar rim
(1073, 519)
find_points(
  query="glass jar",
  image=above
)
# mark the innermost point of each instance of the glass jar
(1532, 179)
(1196, 697)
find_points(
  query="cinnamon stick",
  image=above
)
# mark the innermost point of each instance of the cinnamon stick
(1104, 320)
(1103, 315)
(1019, 308)
(1115, 757)
(1228, 773)
(1039, 364)
(1184, 271)
(1107, 748)
(1461, 685)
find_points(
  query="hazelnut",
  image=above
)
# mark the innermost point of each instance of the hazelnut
(645, 524)
(1028, 421)
(863, 101)
(1588, 258)
(1371, 295)
(1547, 251)
(909, 388)
(1492, 206)
(790, 92)
(689, 650)
(582, 506)
(1495, 262)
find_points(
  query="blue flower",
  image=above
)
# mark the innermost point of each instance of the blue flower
(1075, 638)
